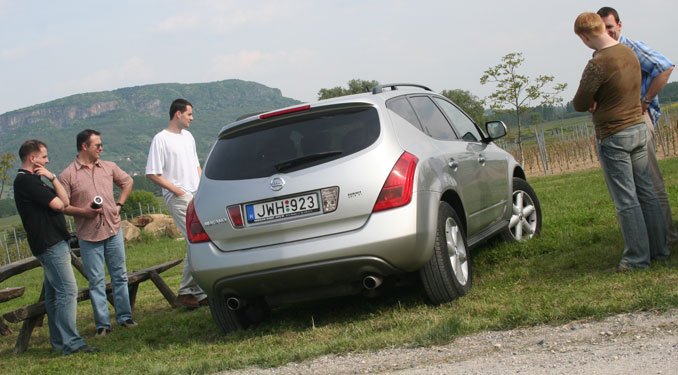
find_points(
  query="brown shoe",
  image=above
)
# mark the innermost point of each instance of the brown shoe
(188, 300)
(204, 302)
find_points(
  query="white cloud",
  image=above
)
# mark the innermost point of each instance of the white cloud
(180, 23)
(12, 54)
(133, 70)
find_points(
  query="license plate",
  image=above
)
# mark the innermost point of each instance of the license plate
(299, 205)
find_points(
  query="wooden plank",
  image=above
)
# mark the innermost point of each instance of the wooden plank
(20, 266)
(11, 293)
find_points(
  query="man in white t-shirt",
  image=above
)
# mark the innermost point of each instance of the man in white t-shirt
(173, 165)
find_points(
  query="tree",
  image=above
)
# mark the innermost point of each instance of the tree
(6, 163)
(468, 102)
(138, 198)
(517, 91)
(355, 86)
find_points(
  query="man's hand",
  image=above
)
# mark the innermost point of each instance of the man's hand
(92, 213)
(40, 170)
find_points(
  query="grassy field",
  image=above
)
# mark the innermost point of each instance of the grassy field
(560, 277)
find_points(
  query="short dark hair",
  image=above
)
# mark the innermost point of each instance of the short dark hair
(606, 11)
(29, 147)
(83, 137)
(178, 105)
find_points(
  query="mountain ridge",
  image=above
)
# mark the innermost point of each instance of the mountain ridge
(129, 117)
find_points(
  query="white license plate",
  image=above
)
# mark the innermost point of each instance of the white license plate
(299, 205)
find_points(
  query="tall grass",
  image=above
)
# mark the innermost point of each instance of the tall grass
(557, 278)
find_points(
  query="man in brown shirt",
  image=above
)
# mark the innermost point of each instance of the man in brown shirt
(89, 180)
(609, 89)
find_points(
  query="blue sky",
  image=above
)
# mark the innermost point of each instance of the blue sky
(53, 49)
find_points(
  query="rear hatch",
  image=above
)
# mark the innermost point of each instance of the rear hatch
(293, 175)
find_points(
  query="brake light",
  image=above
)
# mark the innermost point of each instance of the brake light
(194, 230)
(285, 111)
(397, 190)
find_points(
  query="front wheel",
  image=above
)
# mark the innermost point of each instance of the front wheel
(525, 221)
(447, 275)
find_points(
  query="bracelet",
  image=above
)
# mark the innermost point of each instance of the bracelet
(119, 204)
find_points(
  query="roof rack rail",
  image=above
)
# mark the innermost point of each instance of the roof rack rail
(394, 86)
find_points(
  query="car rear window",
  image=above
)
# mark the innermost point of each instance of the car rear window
(292, 143)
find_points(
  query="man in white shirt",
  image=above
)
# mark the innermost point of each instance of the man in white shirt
(173, 165)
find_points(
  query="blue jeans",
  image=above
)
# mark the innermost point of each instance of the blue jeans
(624, 159)
(112, 252)
(61, 292)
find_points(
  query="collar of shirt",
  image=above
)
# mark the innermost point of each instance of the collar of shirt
(79, 164)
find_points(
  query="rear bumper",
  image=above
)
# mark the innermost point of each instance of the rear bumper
(391, 242)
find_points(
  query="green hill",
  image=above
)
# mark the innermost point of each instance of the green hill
(129, 117)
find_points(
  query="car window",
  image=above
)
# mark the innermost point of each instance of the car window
(432, 119)
(403, 108)
(460, 121)
(292, 143)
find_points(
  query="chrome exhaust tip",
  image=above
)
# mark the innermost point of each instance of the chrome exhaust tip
(233, 303)
(372, 282)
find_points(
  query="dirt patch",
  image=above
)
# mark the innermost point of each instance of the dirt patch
(635, 343)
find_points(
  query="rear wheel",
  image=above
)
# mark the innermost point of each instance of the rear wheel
(525, 220)
(447, 275)
(251, 313)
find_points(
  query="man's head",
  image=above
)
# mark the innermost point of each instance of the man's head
(89, 144)
(611, 20)
(33, 152)
(589, 26)
(181, 113)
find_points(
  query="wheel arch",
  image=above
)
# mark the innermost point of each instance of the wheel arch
(452, 198)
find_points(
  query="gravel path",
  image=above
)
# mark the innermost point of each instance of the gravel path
(636, 343)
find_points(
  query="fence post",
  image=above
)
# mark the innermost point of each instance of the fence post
(16, 244)
(9, 259)
(141, 211)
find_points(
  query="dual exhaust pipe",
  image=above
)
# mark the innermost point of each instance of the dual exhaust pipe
(370, 282)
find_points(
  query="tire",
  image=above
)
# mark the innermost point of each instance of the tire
(525, 222)
(447, 275)
(252, 313)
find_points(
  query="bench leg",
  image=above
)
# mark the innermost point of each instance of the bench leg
(163, 288)
(4, 328)
(133, 288)
(25, 334)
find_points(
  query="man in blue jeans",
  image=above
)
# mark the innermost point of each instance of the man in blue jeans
(86, 179)
(609, 89)
(41, 210)
(656, 70)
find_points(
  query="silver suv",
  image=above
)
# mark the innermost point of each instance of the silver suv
(334, 197)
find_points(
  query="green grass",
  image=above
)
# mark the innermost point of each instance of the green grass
(560, 277)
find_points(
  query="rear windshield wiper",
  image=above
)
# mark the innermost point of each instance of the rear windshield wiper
(291, 164)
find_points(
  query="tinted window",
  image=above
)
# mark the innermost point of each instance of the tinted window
(432, 119)
(403, 108)
(290, 144)
(464, 126)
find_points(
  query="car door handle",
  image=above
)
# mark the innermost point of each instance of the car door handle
(481, 159)
(453, 164)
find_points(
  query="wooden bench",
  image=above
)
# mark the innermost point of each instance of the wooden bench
(32, 315)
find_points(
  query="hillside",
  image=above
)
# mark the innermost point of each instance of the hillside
(129, 117)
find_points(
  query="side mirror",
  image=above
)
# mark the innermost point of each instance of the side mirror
(495, 129)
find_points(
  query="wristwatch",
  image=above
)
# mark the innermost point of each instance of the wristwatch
(645, 100)
(119, 204)
(53, 178)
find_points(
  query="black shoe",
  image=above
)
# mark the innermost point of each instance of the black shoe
(101, 332)
(129, 323)
(85, 349)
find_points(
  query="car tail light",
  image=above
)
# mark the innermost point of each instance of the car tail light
(235, 215)
(194, 230)
(285, 111)
(397, 190)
